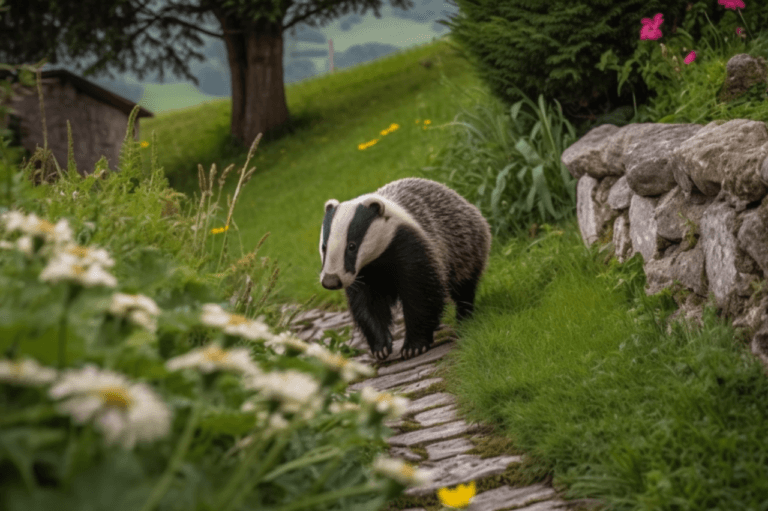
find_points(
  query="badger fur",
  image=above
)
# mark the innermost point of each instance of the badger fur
(414, 240)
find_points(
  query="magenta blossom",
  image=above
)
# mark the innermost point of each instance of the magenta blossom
(690, 57)
(731, 4)
(650, 28)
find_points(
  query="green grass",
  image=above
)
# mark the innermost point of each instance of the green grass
(165, 97)
(296, 174)
(614, 406)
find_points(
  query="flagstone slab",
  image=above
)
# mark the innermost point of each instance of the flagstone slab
(437, 416)
(415, 387)
(461, 469)
(437, 399)
(393, 380)
(404, 453)
(334, 321)
(547, 505)
(505, 497)
(431, 434)
(441, 450)
(431, 355)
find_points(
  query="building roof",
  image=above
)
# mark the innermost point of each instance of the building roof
(95, 91)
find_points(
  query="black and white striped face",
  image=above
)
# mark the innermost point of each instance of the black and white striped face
(353, 234)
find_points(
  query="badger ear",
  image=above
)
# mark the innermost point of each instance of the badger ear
(331, 203)
(375, 204)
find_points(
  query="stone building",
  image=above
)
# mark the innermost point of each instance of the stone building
(98, 118)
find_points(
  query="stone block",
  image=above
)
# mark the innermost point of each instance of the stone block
(642, 226)
(649, 161)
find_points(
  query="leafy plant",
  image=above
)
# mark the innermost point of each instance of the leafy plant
(508, 164)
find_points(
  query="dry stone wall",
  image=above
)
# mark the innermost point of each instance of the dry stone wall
(692, 201)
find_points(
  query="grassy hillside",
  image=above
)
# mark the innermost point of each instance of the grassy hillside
(295, 175)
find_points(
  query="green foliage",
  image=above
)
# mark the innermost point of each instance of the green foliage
(552, 48)
(580, 369)
(507, 162)
(52, 457)
(689, 93)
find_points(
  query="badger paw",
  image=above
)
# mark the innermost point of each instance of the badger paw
(383, 353)
(410, 351)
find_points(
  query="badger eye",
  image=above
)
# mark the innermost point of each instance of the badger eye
(352, 246)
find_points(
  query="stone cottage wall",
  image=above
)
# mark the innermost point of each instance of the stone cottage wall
(98, 129)
(691, 200)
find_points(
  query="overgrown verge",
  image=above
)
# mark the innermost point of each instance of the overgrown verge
(581, 370)
(124, 382)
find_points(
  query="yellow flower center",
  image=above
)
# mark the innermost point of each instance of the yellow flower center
(236, 319)
(116, 397)
(215, 354)
(78, 269)
(78, 251)
(407, 471)
(45, 226)
(17, 368)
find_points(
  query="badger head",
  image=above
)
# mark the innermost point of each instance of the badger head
(353, 234)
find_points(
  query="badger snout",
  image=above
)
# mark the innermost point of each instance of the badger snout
(331, 281)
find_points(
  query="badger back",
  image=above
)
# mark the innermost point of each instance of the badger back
(456, 228)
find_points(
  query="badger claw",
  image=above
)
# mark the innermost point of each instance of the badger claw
(383, 353)
(407, 353)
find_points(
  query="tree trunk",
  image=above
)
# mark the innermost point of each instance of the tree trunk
(256, 66)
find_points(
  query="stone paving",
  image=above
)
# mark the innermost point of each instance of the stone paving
(441, 427)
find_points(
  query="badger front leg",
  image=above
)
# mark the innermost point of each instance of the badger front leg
(372, 313)
(423, 305)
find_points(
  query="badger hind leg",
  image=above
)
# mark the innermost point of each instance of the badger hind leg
(463, 295)
(373, 315)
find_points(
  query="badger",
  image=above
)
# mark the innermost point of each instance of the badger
(413, 240)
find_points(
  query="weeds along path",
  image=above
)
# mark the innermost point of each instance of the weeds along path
(431, 435)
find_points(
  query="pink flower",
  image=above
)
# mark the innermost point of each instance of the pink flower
(690, 57)
(731, 4)
(650, 28)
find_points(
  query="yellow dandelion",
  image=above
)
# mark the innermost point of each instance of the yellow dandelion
(459, 497)
(366, 145)
(427, 121)
(219, 230)
(144, 144)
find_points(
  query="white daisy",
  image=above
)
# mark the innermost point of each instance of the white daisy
(89, 255)
(140, 309)
(31, 224)
(297, 392)
(401, 471)
(234, 324)
(124, 412)
(349, 369)
(346, 406)
(26, 372)
(212, 358)
(387, 404)
(67, 267)
(24, 244)
(279, 343)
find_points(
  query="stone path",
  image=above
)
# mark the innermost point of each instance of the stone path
(439, 441)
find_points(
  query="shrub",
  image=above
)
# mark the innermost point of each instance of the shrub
(507, 162)
(552, 48)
